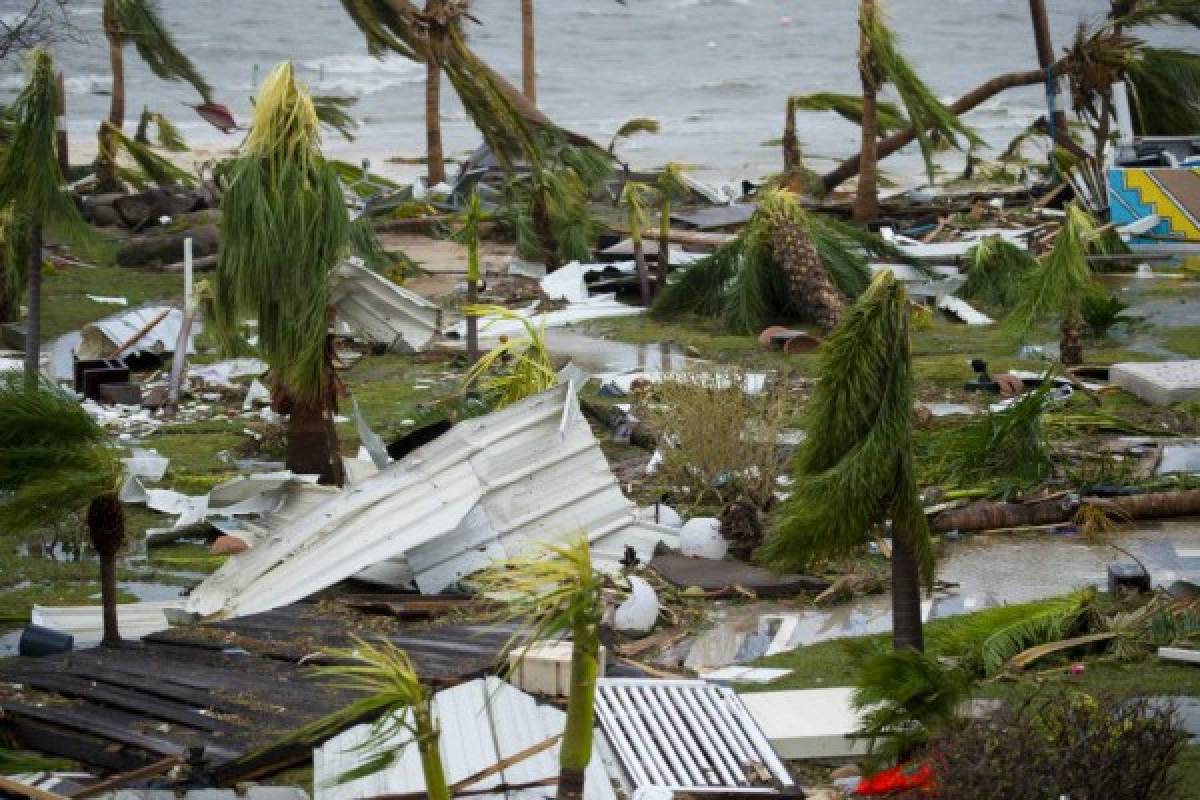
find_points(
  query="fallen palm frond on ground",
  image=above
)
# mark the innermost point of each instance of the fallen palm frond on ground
(787, 265)
(514, 369)
(1008, 448)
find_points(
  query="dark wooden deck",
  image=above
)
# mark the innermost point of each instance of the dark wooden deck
(237, 688)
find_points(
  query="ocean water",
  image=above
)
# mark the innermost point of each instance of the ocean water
(716, 73)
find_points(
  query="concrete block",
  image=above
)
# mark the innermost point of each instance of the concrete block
(545, 668)
(808, 723)
(1161, 383)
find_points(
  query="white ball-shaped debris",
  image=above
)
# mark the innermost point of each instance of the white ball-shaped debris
(701, 538)
(638, 613)
(661, 514)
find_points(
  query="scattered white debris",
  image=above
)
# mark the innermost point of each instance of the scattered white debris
(962, 310)
(222, 373)
(640, 611)
(809, 723)
(1161, 383)
(114, 301)
(372, 307)
(701, 537)
(737, 674)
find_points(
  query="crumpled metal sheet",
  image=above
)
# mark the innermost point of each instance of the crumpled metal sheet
(371, 306)
(101, 338)
(491, 488)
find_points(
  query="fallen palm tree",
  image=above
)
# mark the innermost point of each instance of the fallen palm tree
(982, 516)
(787, 264)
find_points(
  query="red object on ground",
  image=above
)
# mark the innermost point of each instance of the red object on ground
(217, 115)
(897, 779)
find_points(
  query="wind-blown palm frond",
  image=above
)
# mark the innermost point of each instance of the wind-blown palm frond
(30, 179)
(284, 226)
(1058, 284)
(850, 107)
(514, 369)
(1165, 85)
(700, 289)
(929, 116)
(395, 694)
(1132, 13)
(333, 112)
(168, 136)
(14, 259)
(155, 167)
(633, 127)
(995, 269)
(855, 469)
(141, 23)
(54, 458)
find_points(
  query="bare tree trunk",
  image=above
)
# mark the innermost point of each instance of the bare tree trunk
(528, 52)
(312, 443)
(33, 323)
(435, 156)
(791, 143)
(986, 515)
(907, 633)
(1045, 52)
(106, 528)
(866, 203)
(106, 164)
(972, 99)
(472, 322)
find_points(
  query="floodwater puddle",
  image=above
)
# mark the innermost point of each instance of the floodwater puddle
(595, 355)
(984, 571)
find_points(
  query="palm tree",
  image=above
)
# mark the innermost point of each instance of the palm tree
(528, 52)
(470, 236)
(1061, 281)
(633, 194)
(137, 22)
(880, 63)
(855, 470)
(560, 595)
(55, 461)
(14, 264)
(32, 193)
(404, 706)
(514, 369)
(284, 226)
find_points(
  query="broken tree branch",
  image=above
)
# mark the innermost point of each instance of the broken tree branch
(985, 516)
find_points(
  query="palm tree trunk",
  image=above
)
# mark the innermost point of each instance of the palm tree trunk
(312, 443)
(472, 322)
(106, 528)
(431, 755)
(528, 52)
(106, 166)
(791, 142)
(639, 258)
(1070, 345)
(576, 748)
(1045, 52)
(906, 595)
(866, 203)
(33, 324)
(434, 152)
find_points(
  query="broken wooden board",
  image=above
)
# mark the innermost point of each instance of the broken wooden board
(710, 575)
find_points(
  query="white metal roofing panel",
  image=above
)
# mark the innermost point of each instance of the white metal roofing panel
(686, 736)
(103, 336)
(86, 623)
(482, 722)
(488, 489)
(381, 311)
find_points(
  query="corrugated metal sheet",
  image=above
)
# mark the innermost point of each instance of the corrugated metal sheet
(86, 624)
(482, 723)
(381, 312)
(686, 736)
(101, 338)
(490, 488)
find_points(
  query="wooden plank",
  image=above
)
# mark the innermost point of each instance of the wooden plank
(23, 790)
(126, 778)
(73, 745)
(164, 688)
(1179, 654)
(101, 694)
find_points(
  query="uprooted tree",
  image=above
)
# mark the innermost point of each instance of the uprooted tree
(787, 265)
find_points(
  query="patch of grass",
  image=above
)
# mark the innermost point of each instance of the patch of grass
(1184, 341)
(701, 338)
(16, 762)
(194, 450)
(16, 604)
(184, 556)
(66, 307)
(386, 388)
